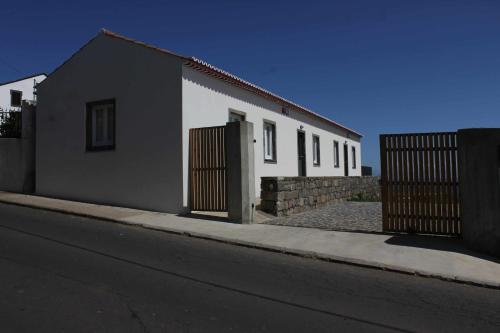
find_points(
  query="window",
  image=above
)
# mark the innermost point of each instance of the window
(336, 154)
(269, 142)
(353, 150)
(233, 117)
(101, 125)
(15, 98)
(316, 155)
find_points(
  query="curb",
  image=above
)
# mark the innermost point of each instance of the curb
(275, 249)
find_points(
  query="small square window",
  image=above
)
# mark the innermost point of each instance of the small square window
(16, 98)
(101, 125)
(269, 142)
(316, 150)
(235, 117)
(353, 150)
(335, 154)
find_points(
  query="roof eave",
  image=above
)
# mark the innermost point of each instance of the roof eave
(235, 80)
(194, 62)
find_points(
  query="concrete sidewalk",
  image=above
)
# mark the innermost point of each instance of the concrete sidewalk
(440, 257)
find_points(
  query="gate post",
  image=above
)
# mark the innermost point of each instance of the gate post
(239, 142)
(383, 181)
(28, 137)
(479, 168)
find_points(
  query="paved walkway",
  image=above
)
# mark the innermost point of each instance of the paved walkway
(429, 256)
(349, 216)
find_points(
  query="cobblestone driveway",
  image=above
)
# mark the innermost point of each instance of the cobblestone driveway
(349, 215)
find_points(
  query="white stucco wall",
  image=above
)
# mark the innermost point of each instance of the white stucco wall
(25, 85)
(206, 101)
(158, 100)
(145, 170)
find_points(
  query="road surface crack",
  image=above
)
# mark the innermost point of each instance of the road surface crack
(135, 315)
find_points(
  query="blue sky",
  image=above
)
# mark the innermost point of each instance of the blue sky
(374, 66)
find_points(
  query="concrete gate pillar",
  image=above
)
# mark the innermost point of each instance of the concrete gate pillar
(28, 135)
(479, 176)
(239, 141)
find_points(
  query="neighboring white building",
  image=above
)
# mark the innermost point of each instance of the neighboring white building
(113, 124)
(12, 93)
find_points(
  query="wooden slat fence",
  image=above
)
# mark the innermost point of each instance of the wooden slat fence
(420, 189)
(207, 169)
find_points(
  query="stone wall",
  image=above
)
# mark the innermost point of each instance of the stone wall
(282, 196)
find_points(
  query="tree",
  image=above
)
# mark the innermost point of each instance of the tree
(10, 124)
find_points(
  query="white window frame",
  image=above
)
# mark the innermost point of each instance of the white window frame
(101, 134)
(12, 92)
(316, 150)
(336, 154)
(269, 141)
(236, 116)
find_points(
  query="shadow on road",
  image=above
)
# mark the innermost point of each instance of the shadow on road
(210, 216)
(441, 243)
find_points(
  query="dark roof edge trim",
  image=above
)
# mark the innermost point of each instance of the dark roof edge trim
(21, 79)
(233, 79)
(194, 62)
(211, 70)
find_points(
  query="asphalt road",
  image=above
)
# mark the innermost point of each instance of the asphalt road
(60, 273)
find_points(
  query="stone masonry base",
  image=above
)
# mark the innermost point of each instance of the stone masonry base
(283, 196)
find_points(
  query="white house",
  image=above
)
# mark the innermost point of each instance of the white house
(113, 124)
(12, 93)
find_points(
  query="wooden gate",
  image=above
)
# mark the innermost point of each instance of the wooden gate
(420, 191)
(207, 169)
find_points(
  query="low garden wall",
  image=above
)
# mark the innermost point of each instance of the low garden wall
(282, 196)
